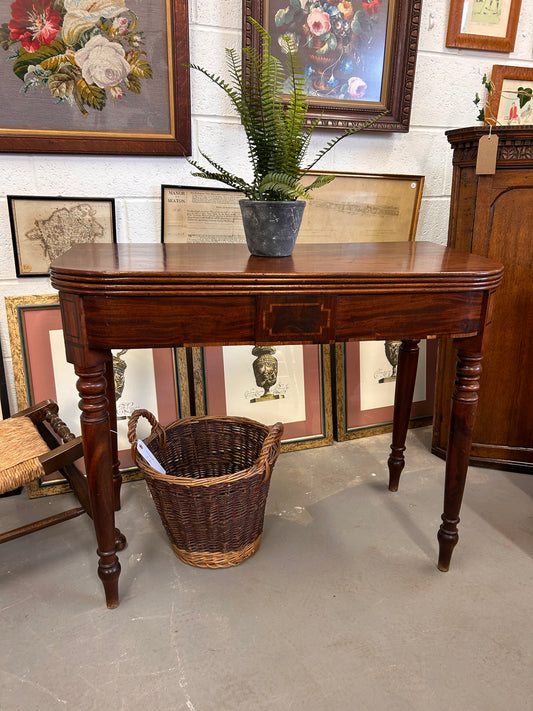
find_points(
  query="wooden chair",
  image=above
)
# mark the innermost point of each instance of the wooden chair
(36, 442)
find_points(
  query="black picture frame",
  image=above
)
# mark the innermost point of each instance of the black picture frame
(43, 227)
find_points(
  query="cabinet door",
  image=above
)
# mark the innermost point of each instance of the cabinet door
(502, 230)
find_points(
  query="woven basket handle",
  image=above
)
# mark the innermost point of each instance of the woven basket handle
(270, 449)
(132, 430)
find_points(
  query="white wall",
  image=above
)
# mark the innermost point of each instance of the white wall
(445, 84)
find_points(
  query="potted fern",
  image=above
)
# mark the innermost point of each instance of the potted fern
(278, 138)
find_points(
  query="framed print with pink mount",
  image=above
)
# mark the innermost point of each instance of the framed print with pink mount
(489, 25)
(95, 76)
(288, 383)
(144, 378)
(366, 380)
(358, 56)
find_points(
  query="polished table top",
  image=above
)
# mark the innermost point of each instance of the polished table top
(358, 267)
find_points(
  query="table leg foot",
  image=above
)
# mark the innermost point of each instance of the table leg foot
(396, 464)
(109, 572)
(447, 537)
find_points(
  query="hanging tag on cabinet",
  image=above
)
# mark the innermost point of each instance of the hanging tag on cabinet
(486, 154)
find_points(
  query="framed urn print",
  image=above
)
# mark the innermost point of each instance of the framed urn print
(95, 77)
(43, 228)
(489, 25)
(358, 57)
(288, 383)
(144, 378)
(365, 384)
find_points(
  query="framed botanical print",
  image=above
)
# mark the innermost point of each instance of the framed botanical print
(43, 228)
(144, 378)
(288, 383)
(510, 103)
(365, 386)
(358, 57)
(95, 76)
(490, 25)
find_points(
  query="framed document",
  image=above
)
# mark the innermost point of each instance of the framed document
(355, 207)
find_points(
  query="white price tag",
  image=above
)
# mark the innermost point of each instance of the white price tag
(149, 457)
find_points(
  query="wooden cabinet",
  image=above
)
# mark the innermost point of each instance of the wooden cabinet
(492, 215)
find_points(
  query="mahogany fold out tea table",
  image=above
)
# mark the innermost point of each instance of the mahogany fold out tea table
(158, 296)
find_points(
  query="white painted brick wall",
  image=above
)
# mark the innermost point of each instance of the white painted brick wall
(445, 85)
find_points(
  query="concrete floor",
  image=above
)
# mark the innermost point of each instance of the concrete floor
(341, 609)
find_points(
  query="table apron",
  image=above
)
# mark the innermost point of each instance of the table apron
(142, 321)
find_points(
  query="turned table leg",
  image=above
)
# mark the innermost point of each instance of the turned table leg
(99, 461)
(112, 407)
(403, 399)
(464, 404)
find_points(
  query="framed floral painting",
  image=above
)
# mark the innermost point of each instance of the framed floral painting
(95, 76)
(358, 56)
(43, 228)
(144, 378)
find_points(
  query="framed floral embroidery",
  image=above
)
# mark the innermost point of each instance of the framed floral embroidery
(95, 76)
(358, 56)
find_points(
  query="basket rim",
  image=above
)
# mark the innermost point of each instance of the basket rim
(243, 474)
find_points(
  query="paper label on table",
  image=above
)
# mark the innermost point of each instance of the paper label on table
(149, 457)
(486, 154)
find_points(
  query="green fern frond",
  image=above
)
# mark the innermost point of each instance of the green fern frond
(277, 130)
(280, 186)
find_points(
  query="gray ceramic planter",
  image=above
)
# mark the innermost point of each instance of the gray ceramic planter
(271, 227)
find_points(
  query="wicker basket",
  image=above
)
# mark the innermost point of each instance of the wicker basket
(212, 498)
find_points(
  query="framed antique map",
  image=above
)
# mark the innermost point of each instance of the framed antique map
(355, 207)
(43, 228)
